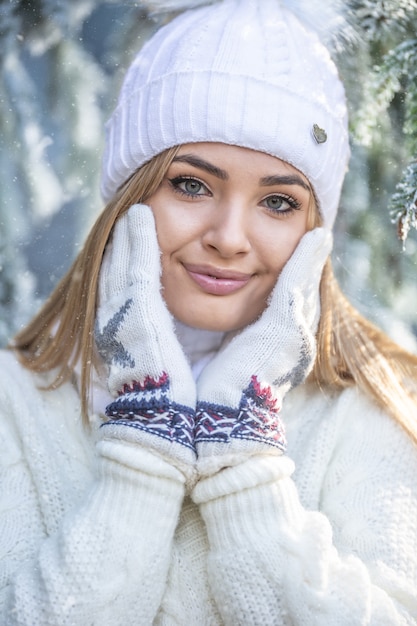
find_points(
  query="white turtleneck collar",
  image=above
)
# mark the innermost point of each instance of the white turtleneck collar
(199, 345)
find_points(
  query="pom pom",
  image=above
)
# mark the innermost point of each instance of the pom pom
(166, 6)
(328, 18)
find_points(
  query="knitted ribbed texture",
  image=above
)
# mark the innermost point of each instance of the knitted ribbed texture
(267, 533)
(241, 72)
(128, 518)
(262, 540)
(332, 543)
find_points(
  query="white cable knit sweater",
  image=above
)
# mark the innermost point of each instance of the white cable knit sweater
(109, 539)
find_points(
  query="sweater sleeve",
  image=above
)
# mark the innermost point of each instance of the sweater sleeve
(351, 561)
(102, 557)
(108, 561)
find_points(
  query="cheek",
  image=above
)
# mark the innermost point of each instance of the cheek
(161, 224)
(167, 230)
(277, 246)
(174, 227)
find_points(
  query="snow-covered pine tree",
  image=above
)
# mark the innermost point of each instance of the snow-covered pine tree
(390, 29)
(382, 90)
(61, 65)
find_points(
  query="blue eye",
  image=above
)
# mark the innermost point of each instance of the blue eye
(277, 203)
(281, 204)
(191, 187)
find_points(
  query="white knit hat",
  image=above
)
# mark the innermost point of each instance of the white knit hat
(241, 72)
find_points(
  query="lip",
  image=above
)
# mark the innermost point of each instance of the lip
(217, 281)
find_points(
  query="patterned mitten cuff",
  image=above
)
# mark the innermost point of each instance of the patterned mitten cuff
(226, 436)
(144, 414)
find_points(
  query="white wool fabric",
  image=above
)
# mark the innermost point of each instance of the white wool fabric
(101, 534)
(148, 373)
(199, 345)
(240, 72)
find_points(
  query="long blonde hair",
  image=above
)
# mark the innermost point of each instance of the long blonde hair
(350, 350)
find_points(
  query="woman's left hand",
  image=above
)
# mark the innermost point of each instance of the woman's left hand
(240, 392)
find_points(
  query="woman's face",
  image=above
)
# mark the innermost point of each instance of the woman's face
(227, 220)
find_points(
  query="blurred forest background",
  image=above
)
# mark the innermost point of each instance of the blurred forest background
(62, 62)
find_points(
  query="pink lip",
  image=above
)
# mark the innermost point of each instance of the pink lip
(217, 281)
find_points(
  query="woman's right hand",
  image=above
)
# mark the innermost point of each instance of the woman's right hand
(148, 373)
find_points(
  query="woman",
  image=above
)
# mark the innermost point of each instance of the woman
(248, 453)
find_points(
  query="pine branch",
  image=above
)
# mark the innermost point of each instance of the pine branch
(396, 75)
(379, 19)
(403, 206)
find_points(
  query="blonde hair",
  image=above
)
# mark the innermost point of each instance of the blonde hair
(350, 350)
(353, 351)
(62, 333)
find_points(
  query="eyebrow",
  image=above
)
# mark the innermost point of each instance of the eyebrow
(266, 181)
(196, 161)
(293, 179)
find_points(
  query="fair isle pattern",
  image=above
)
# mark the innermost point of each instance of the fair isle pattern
(256, 418)
(146, 406)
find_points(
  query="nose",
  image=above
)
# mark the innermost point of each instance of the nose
(229, 230)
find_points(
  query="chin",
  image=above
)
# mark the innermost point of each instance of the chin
(212, 326)
(215, 323)
(214, 313)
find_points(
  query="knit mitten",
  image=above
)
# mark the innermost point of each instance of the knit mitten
(148, 373)
(240, 392)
